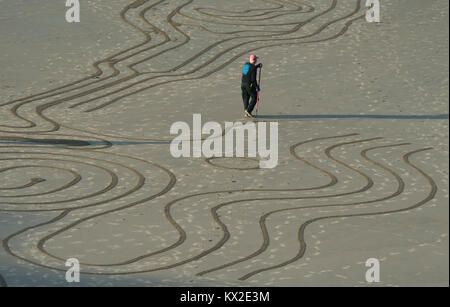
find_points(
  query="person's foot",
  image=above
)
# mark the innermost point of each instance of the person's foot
(248, 114)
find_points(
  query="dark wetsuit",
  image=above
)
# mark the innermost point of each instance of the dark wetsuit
(249, 86)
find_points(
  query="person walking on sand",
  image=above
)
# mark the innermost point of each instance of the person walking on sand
(249, 85)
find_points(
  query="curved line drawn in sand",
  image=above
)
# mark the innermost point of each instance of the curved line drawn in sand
(127, 266)
(125, 182)
(212, 62)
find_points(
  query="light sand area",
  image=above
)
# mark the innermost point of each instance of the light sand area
(86, 171)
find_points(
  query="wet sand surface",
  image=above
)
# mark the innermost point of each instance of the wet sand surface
(86, 171)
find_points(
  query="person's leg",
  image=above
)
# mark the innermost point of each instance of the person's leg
(245, 96)
(253, 99)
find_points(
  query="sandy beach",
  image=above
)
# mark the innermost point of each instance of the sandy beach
(86, 170)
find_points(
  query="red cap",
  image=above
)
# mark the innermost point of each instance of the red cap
(253, 58)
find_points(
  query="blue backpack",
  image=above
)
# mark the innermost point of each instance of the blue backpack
(246, 69)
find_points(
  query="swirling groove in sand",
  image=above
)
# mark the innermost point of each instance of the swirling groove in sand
(226, 235)
(112, 61)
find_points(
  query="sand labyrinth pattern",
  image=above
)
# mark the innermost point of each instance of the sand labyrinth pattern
(132, 71)
(364, 177)
(131, 183)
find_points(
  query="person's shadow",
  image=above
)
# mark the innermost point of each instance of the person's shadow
(352, 116)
